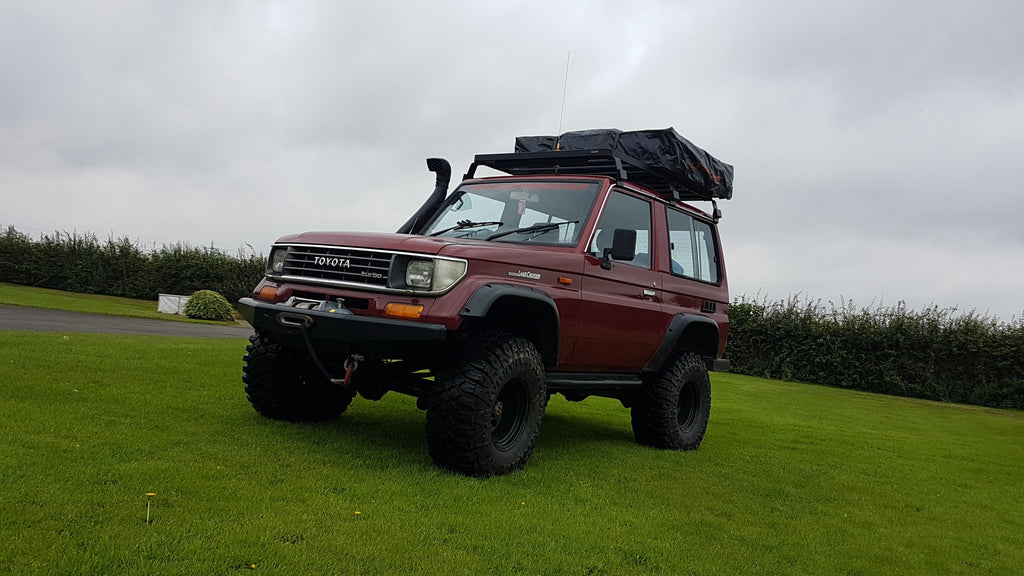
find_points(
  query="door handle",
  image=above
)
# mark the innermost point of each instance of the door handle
(650, 293)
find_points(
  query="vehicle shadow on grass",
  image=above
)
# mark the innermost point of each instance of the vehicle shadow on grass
(570, 432)
(381, 436)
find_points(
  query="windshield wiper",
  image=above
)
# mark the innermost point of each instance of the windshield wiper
(535, 228)
(463, 224)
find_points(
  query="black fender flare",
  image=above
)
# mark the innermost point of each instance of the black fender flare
(485, 297)
(698, 326)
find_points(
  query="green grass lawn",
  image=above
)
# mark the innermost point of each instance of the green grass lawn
(93, 303)
(791, 479)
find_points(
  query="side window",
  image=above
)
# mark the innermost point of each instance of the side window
(707, 260)
(692, 245)
(680, 237)
(627, 212)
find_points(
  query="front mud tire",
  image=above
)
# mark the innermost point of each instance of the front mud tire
(485, 410)
(284, 384)
(672, 408)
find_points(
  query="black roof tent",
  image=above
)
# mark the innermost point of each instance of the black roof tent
(660, 160)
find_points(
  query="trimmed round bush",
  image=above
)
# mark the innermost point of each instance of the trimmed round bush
(208, 305)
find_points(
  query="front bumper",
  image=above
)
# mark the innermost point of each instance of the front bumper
(370, 333)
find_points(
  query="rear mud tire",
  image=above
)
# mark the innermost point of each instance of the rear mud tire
(284, 384)
(485, 409)
(673, 405)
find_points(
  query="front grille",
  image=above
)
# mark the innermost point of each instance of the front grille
(338, 264)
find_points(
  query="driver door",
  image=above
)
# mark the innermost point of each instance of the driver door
(622, 322)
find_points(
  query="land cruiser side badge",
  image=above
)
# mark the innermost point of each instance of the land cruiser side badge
(522, 274)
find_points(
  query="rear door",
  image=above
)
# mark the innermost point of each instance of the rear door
(695, 282)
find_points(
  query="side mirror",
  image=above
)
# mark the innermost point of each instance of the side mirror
(623, 247)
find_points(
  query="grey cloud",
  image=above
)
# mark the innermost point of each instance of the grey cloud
(874, 143)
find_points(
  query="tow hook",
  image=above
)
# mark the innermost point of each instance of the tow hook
(351, 364)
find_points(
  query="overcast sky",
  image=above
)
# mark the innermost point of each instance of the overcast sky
(877, 145)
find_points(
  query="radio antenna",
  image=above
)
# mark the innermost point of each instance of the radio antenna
(561, 114)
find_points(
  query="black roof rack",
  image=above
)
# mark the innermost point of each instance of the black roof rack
(601, 162)
(675, 169)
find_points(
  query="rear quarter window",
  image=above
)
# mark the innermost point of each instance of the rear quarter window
(692, 247)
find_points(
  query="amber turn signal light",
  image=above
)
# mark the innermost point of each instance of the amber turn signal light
(403, 310)
(268, 293)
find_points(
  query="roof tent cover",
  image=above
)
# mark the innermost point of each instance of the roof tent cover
(663, 153)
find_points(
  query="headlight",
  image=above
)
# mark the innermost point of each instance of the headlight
(420, 274)
(433, 275)
(276, 263)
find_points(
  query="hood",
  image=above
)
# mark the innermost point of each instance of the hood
(458, 247)
(371, 241)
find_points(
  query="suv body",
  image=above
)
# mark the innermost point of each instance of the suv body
(580, 272)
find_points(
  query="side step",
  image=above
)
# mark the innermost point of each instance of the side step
(593, 382)
(590, 382)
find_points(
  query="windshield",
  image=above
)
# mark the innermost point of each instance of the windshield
(518, 212)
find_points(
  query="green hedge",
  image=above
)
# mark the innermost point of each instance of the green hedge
(78, 262)
(935, 354)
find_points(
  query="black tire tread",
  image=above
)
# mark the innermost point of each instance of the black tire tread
(655, 415)
(458, 429)
(282, 384)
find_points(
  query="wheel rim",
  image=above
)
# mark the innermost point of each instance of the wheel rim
(689, 405)
(509, 414)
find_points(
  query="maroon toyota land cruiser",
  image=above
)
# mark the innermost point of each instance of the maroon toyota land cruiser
(580, 271)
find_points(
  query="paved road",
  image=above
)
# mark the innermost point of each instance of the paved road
(45, 320)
